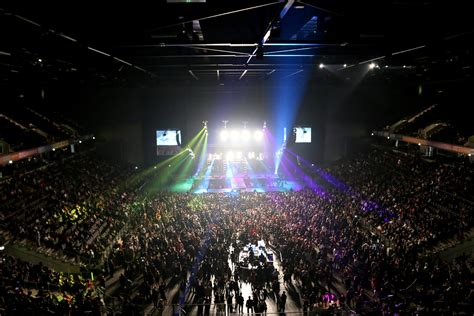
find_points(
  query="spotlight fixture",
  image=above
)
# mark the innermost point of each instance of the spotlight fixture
(372, 134)
(10, 161)
(345, 65)
(372, 66)
(321, 65)
(205, 124)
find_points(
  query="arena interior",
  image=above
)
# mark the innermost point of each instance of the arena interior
(261, 157)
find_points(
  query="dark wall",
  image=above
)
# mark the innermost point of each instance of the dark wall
(125, 118)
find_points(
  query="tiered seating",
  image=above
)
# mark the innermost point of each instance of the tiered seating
(71, 205)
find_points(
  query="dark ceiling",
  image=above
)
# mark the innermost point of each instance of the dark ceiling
(238, 41)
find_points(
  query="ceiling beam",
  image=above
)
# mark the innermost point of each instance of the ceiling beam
(320, 8)
(218, 15)
(193, 75)
(266, 36)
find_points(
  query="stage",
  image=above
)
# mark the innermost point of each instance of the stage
(269, 183)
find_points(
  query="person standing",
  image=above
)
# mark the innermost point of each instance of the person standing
(282, 301)
(249, 305)
(240, 304)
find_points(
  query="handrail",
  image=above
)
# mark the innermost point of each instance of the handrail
(431, 143)
(5, 159)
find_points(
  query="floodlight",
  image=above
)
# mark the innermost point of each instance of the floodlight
(258, 135)
(235, 135)
(224, 135)
(229, 155)
(245, 135)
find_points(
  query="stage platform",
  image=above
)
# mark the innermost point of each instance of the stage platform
(268, 183)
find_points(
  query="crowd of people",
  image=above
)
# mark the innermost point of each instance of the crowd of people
(34, 289)
(71, 204)
(363, 235)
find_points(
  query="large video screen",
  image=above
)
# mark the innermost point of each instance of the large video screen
(168, 137)
(168, 142)
(303, 134)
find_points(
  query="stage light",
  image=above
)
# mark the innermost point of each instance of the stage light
(224, 135)
(419, 144)
(10, 161)
(245, 135)
(372, 66)
(258, 135)
(238, 155)
(372, 134)
(388, 137)
(251, 155)
(136, 167)
(321, 65)
(235, 135)
(54, 149)
(93, 137)
(469, 155)
(80, 142)
(229, 155)
(345, 65)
